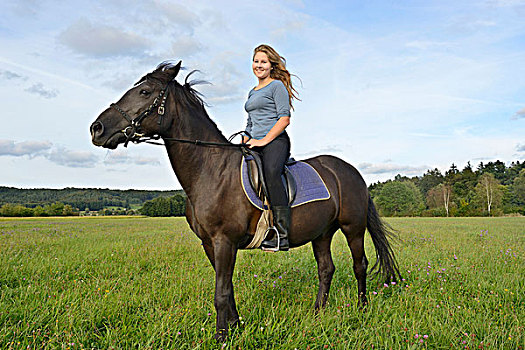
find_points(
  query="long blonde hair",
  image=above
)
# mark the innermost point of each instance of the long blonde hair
(279, 71)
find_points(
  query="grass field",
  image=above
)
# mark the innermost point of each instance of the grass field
(81, 283)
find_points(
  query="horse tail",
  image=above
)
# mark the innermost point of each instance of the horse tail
(381, 232)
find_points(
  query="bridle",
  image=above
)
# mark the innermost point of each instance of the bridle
(133, 131)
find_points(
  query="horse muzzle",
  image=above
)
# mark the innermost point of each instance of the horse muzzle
(99, 137)
(97, 130)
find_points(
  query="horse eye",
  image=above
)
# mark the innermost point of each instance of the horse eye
(145, 92)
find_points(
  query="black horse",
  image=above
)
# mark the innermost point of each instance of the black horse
(217, 209)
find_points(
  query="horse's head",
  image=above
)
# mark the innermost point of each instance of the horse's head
(139, 112)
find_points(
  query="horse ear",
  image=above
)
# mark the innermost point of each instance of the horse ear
(174, 70)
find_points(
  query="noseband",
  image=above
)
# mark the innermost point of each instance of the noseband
(133, 131)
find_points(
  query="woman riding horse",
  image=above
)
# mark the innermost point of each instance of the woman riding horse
(217, 208)
(268, 108)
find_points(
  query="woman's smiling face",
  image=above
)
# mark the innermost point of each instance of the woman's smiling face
(261, 65)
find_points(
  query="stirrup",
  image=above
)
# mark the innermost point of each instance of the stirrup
(276, 249)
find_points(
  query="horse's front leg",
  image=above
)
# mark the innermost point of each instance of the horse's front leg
(224, 253)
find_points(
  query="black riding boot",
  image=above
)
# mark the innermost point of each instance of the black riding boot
(281, 221)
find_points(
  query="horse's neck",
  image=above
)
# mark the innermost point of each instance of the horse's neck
(197, 165)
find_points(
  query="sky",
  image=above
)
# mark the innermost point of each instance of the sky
(392, 87)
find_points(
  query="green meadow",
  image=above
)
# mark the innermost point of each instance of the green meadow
(145, 283)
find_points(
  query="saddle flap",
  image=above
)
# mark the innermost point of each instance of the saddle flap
(254, 176)
(289, 184)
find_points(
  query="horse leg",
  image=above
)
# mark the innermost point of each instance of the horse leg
(225, 254)
(356, 242)
(325, 268)
(208, 249)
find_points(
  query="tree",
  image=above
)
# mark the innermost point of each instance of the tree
(489, 192)
(518, 191)
(440, 196)
(452, 171)
(165, 206)
(400, 198)
(430, 179)
(69, 211)
(55, 209)
(18, 210)
(497, 168)
(39, 211)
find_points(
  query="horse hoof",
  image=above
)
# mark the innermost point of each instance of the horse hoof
(221, 335)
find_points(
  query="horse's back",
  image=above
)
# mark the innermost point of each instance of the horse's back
(346, 186)
(346, 173)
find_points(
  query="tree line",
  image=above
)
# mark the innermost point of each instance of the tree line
(93, 199)
(54, 209)
(165, 206)
(160, 206)
(491, 189)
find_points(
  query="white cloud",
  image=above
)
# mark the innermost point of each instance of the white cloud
(186, 46)
(146, 161)
(39, 89)
(226, 80)
(327, 149)
(46, 149)
(119, 157)
(24, 148)
(9, 75)
(73, 159)
(99, 40)
(369, 168)
(177, 14)
(519, 114)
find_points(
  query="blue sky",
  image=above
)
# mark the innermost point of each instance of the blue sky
(390, 87)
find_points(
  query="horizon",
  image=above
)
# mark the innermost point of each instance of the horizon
(390, 88)
(474, 168)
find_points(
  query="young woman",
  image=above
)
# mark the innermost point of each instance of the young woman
(268, 108)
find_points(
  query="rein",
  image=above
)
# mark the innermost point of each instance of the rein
(195, 142)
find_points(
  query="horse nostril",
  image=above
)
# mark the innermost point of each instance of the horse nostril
(97, 129)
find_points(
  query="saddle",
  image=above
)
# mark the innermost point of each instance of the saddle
(257, 180)
(301, 181)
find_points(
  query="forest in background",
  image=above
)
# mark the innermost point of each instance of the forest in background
(85, 201)
(491, 189)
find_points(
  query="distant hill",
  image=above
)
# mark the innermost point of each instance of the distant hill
(81, 198)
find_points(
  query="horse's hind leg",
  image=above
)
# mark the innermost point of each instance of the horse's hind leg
(325, 268)
(355, 236)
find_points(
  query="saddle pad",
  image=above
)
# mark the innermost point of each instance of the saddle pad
(310, 186)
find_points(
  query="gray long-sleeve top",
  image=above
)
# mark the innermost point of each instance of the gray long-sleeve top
(265, 106)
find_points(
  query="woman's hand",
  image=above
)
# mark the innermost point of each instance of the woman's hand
(275, 131)
(256, 143)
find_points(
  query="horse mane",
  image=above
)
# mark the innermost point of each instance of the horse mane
(184, 93)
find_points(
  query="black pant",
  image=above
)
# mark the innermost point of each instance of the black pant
(274, 157)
